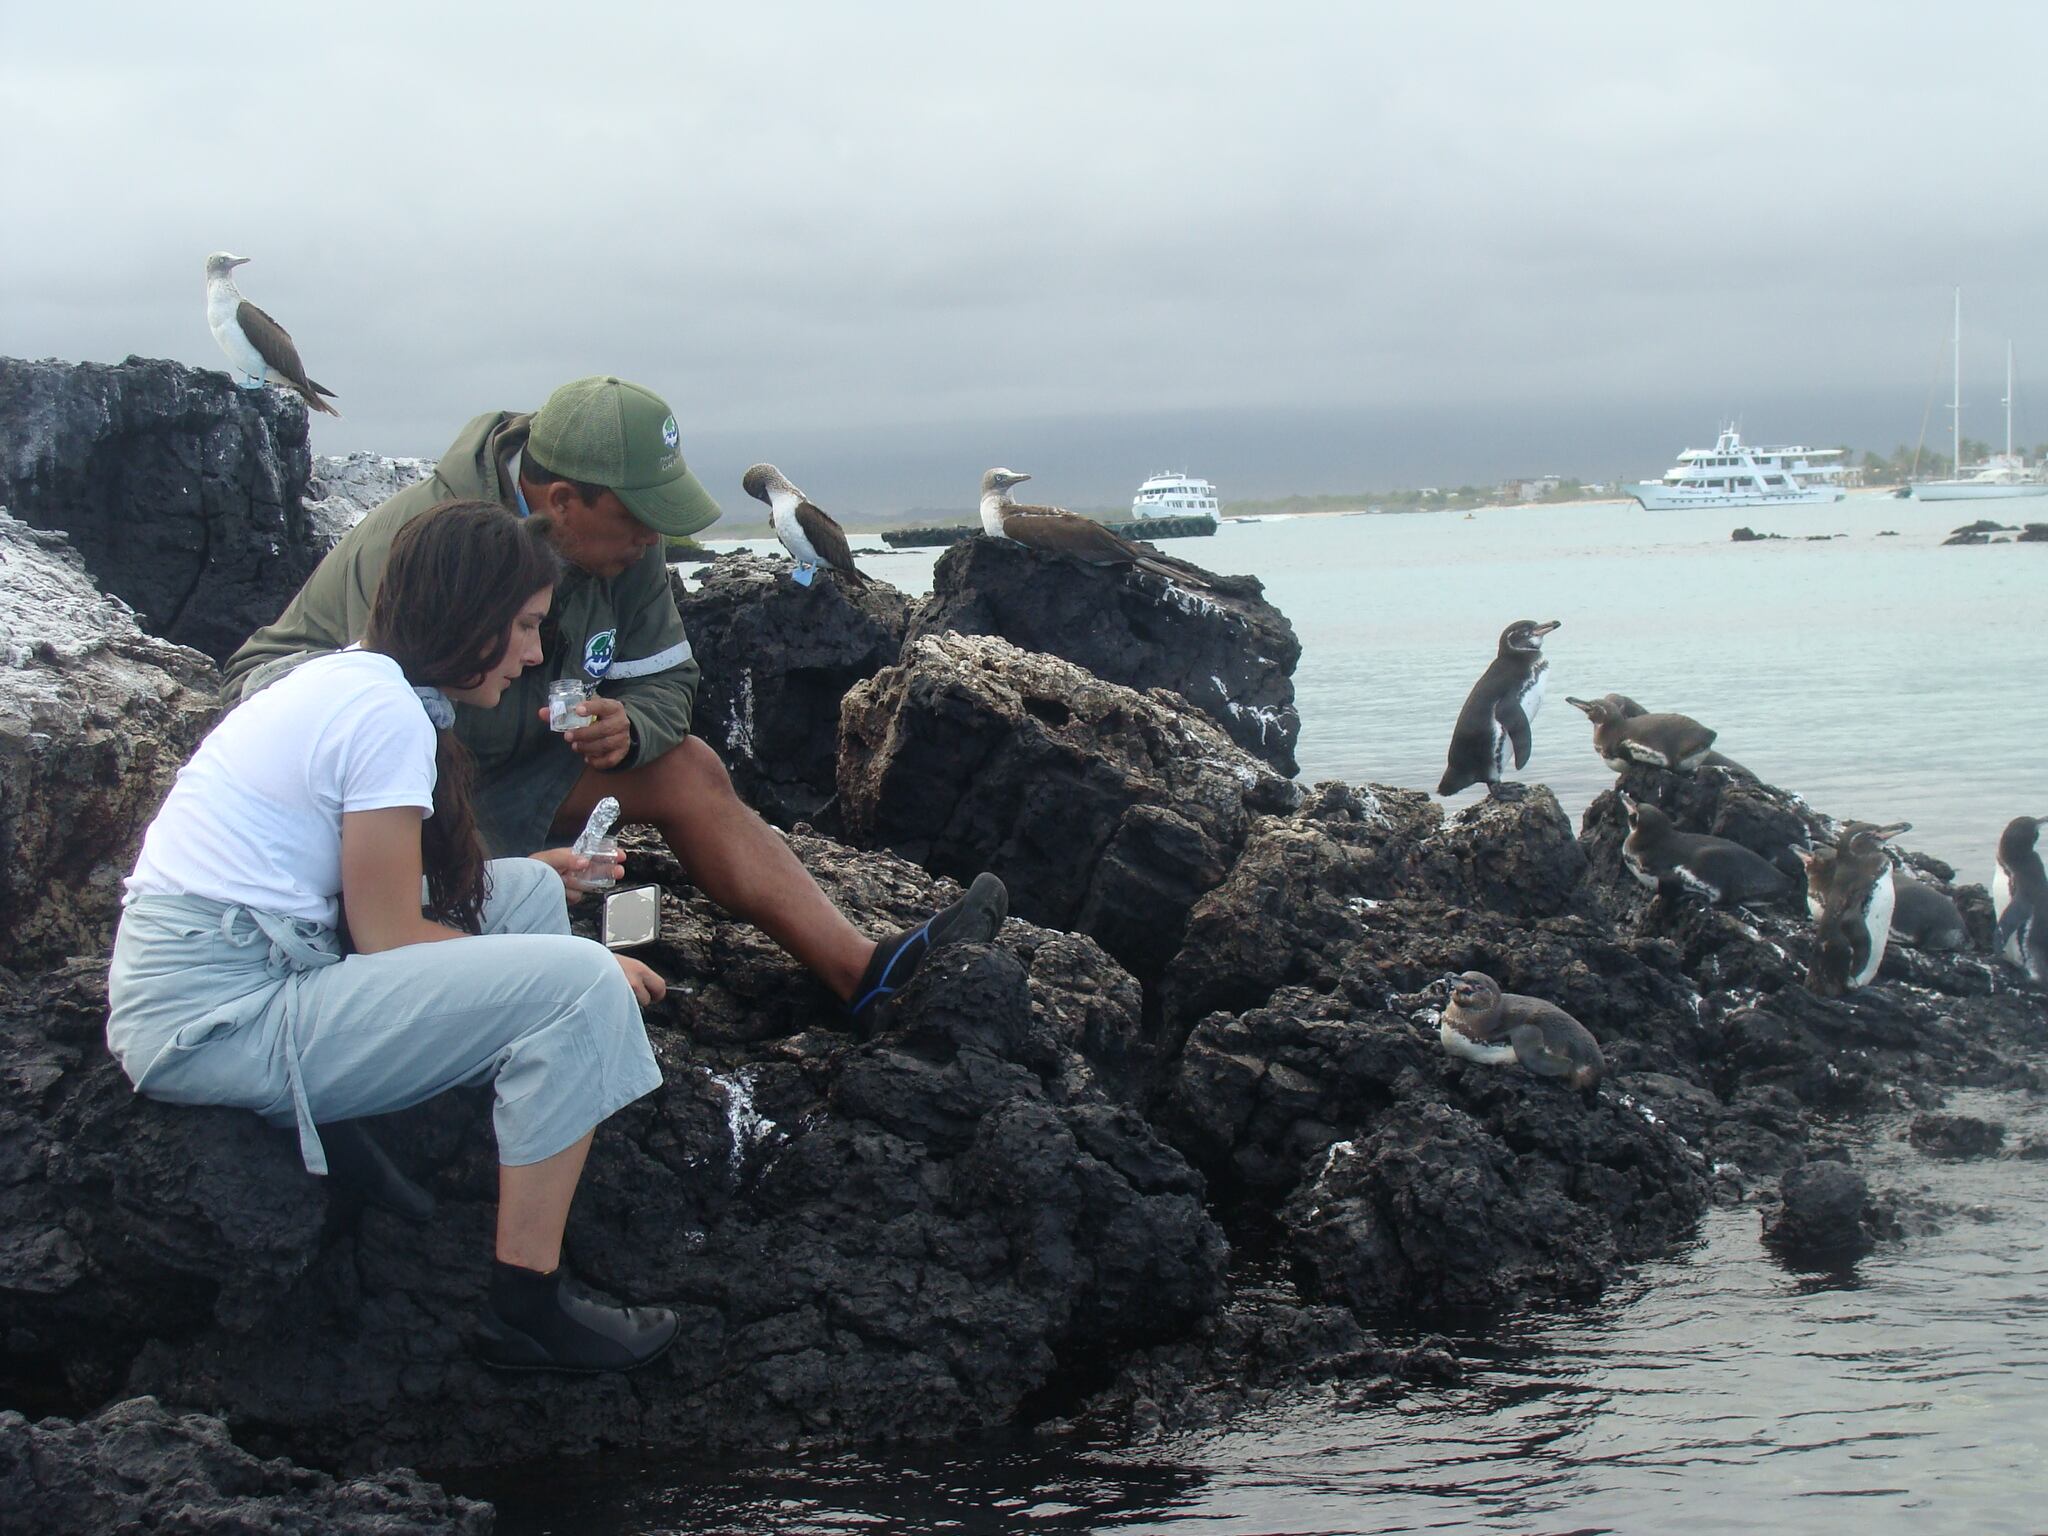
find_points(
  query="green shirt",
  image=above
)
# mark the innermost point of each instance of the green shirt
(622, 632)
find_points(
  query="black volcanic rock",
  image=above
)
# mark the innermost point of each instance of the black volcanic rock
(181, 491)
(1301, 895)
(1432, 1208)
(898, 1238)
(1226, 650)
(776, 660)
(1823, 1214)
(137, 1467)
(2033, 533)
(96, 718)
(1104, 810)
(1956, 1136)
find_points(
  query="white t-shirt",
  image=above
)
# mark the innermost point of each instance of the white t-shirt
(255, 818)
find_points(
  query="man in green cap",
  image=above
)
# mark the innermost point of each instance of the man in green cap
(602, 461)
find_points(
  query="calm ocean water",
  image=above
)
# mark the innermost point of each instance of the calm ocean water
(1715, 1391)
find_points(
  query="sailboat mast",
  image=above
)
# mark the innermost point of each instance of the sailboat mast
(2008, 397)
(1956, 410)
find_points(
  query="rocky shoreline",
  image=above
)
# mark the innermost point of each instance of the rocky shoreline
(1184, 1136)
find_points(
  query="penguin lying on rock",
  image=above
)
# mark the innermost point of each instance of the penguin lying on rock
(1622, 707)
(1725, 873)
(1923, 917)
(1677, 742)
(1850, 893)
(1500, 1029)
(2019, 895)
(1497, 712)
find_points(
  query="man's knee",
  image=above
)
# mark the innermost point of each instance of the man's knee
(689, 775)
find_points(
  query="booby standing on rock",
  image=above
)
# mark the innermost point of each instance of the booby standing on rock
(256, 344)
(1677, 742)
(807, 532)
(2019, 895)
(1056, 531)
(1498, 710)
(1724, 872)
(1850, 892)
(1498, 1029)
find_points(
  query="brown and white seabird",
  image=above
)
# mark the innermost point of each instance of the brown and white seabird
(1056, 531)
(256, 344)
(806, 530)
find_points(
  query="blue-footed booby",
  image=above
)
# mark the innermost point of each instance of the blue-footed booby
(1057, 531)
(256, 344)
(806, 530)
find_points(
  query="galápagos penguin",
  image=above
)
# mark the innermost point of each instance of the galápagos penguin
(257, 345)
(805, 529)
(1923, 917)
(1498, 1029)
(1724, 872)
(1849, 890)
(1677, 742)
(1056, 531)
(1627, 708)
(2019, 895)
(1495, 720)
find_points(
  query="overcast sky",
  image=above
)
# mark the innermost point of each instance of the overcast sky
(1294, 246)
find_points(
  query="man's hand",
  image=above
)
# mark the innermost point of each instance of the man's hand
(605, 741)
(574, 869)
(647, 986)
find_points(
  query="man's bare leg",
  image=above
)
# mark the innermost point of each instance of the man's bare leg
(734, 857)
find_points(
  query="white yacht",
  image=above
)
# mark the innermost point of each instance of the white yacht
(1731, 474)
(1175, 495)
(2001, 476)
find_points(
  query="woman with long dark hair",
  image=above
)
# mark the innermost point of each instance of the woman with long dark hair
(275, 952)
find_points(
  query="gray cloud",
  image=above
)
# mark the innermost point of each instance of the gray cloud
(924, 225)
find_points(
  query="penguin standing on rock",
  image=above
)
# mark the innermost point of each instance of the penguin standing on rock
(2019, 894)
(1677, 742)
(1724, 872)
(1851, 884)
(1499, 1029)
(1495, 720)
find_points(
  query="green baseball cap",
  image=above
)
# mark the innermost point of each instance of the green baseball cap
(604, 431)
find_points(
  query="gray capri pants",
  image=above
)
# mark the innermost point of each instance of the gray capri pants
(219, 1004)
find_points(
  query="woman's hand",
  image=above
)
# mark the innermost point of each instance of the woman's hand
(573, 867)
(647, 986)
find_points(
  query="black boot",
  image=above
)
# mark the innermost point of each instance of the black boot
(354, 1159)
(973, 919)
(547, 1322)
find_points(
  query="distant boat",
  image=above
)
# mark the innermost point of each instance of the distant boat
(2004, 475)
(1174, 495)
(1732, 475)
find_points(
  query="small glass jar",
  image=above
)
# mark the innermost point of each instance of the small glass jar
(566, 697)
(603, 853)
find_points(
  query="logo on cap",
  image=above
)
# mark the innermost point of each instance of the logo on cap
(670, 435)
(597, 652)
